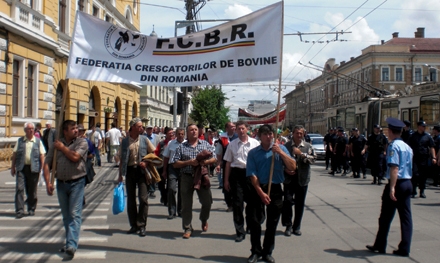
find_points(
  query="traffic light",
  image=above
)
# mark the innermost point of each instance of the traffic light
(179, 104)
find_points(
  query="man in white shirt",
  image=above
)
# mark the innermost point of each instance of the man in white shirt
(113, 138)
(172, 175)
(96, 138)
(235, 175)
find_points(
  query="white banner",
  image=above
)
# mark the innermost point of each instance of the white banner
(247, 49)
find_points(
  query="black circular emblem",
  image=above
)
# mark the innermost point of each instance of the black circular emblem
(123, 43)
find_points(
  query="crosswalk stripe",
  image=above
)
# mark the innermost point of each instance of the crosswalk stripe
(15, 256)
(46, 218)
(57, 209)
(49, 240)
(53, 227)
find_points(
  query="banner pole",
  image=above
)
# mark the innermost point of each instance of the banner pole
(59, 130)
(279, 98)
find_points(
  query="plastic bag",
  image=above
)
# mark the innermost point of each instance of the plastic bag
(118, 199)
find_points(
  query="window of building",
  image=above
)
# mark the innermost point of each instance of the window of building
(385, 74)
(95, 11)
(108, 18)
(418, 74)
(151, 91)
(399, 74)
(30, 90)
(433, 74)
(81, 5)
(62, 15)
(16, 72)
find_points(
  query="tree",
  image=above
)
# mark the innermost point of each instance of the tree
(209, 107)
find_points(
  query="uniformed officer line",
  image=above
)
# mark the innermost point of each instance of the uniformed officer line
(49, 240)
(58, 209)
(16, 256)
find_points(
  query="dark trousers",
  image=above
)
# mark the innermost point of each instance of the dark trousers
(256, 214)
(328, 156)
(26, 182)
(174, 207)
(435, 174)
(239, 190)
(292, 189)
(334, 163)
(419, 177)
(357, 164)
(403, 191)
(226, 194)
(162, 185)
(377, 166)
(135, 177)
(341, 161)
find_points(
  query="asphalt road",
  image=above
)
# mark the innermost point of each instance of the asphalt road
(340, 219)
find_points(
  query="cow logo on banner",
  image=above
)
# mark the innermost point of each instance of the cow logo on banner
(124, 44)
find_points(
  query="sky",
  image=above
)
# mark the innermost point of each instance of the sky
(369, 22)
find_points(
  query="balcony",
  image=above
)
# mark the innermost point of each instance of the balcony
(24, 15)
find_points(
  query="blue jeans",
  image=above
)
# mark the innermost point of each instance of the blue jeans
(70, 197)
(98, 156)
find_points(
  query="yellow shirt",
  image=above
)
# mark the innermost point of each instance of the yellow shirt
(29, 144)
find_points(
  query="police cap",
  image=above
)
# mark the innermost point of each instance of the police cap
(421, 123)
(395, 124)
(407, 123)
(355, 129)
(340, 129)
(437, 127)
(377, 126)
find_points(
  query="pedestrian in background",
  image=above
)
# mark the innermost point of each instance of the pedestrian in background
(27, 163)
(71, 160)
(396, 194)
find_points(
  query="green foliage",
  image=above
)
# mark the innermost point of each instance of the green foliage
(209, 107)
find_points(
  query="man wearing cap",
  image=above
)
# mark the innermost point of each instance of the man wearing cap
(406, 131)
(397, 193)
(340, 151)
(436, 168)
(356, 145)
(376, 147)
(328, 148)
(133, 148)
(422, 145)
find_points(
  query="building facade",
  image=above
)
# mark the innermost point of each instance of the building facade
(35, 38)
(155, 106)
(391, 68)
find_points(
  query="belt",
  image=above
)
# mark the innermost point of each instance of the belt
(238, 168)
(70, 181)
(132, 166)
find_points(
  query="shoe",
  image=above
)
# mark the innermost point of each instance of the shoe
(344, 174)
(132, 230)
(229, 209)
(253, 258)
(269, 258)
(375, 250)
(413, 196)
(239, 238)
(374, 182)
(142, 232)
(401, 253)
(331, 172)
(297, 233)
(152, 195)
(63, 249)
(70, 251)
(170, 217)
(288, 231)
(422, 195)
(19, 216)
(365, 177)
(187, 234)
(220, 187)
(31, 213)
(248, 230)
(205, 226)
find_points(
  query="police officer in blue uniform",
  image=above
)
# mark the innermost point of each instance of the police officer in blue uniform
(397, 193)
(422, 145)
(357, 143)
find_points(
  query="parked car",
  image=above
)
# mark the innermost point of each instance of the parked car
(318, 147)
(314, 135)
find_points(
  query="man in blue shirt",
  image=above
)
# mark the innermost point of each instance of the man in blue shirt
(397, 193)
(258, 171)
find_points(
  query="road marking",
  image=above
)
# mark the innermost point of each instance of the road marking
(15, 256)
(57, 209)
(50, 240)
(53, 227)
(49, 218)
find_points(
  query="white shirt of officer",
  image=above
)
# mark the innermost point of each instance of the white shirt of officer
(237, 152)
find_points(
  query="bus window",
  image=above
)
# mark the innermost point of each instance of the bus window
(430, 108)
(349, 118)
(389, 109)
(340, 118)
